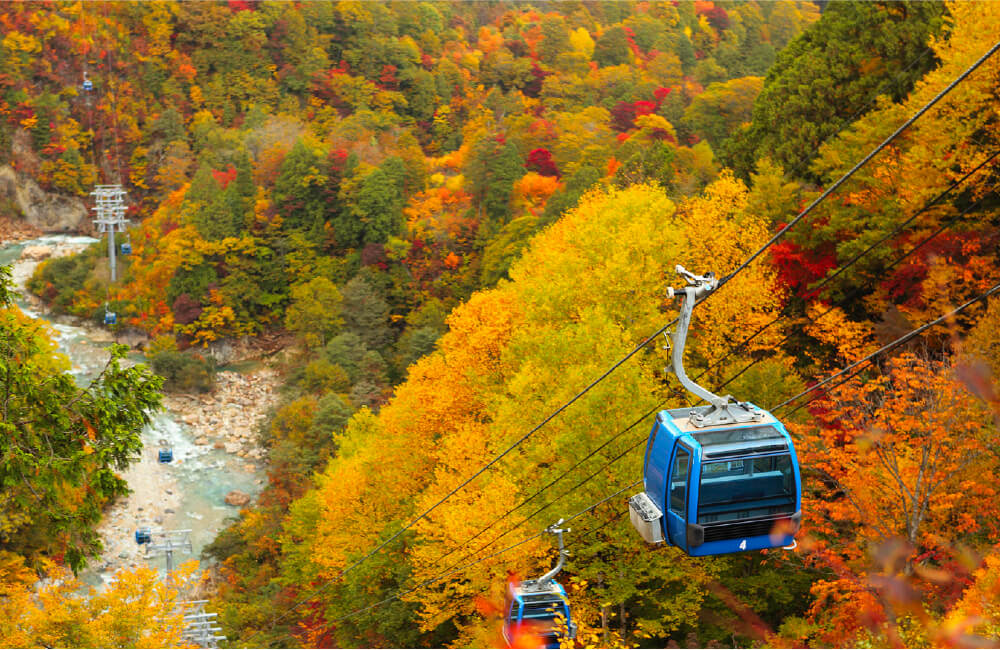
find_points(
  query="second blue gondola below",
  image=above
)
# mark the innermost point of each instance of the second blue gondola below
(534, 611)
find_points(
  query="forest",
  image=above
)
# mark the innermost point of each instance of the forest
(444, 220)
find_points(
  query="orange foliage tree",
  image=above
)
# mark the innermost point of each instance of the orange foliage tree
(896, 460)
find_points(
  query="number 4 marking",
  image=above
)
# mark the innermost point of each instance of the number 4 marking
(743, 545)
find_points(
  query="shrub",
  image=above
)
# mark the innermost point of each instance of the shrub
(320, 376)
(183, 372)
(57, 280)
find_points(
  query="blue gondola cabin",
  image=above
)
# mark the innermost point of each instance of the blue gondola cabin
(166, 455)
(718, 489)
(143, 536)
(539, 612)
(126, 248)
(110, 318)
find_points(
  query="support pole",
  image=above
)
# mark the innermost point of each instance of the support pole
(111, 256)
(173, 540)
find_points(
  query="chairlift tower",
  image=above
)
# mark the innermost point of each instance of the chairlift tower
(170, 541)
(109, 204)
(200, 627)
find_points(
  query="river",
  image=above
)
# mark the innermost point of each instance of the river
(188, 493)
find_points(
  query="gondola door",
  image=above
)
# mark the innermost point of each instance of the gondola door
(678, 487)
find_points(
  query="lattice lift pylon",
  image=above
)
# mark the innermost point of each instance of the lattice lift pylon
(200, 626)
(109, 204)
(170, 541)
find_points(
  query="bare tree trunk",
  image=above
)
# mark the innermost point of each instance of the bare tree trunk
(604, 611)
(622, 613)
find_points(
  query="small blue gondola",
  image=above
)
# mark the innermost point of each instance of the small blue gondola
(110, 318)
(539, 608)
(717, 479)
(166, 455)
(87, 85)
(143, 536)
(126, 248)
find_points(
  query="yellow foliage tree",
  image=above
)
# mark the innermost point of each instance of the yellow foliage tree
(137, 610)
(574, 305)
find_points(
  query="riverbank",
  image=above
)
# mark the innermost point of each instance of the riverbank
(225, 420)
(153, 503)
(217, 466)
(16, 230)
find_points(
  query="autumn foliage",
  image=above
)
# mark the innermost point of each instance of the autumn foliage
(456, 215)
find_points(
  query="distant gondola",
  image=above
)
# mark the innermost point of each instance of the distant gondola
(143, 536)
(535, 607)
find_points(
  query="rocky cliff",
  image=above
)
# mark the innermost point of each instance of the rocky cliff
(46, 211)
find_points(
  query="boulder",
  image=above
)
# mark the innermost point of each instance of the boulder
(237, 498)
(37, 252)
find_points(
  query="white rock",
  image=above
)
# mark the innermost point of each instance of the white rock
(36, 252)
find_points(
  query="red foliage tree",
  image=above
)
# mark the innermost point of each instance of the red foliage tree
(799, 267)
(186, 309)
(225, 177)
(533, 87)
(373, 254)
(630, 39)
(717, 18)
(623, 115)
(387, 80)
(540, 161)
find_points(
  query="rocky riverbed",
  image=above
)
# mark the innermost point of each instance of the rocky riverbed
(198, 427)
(229, 418)
(217, 467)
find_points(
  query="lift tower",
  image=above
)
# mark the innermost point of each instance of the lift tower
(109, 204)
(168, 542)
(200, 627)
